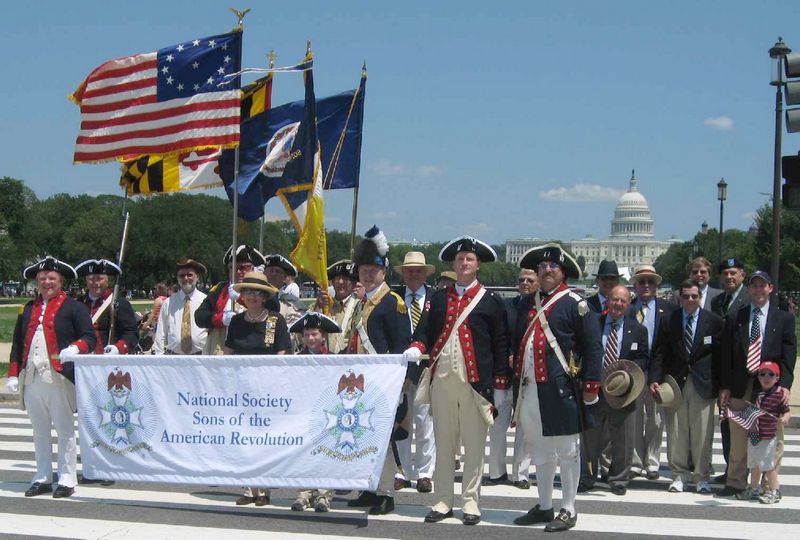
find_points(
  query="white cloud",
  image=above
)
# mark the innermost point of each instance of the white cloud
(387, 168)
(385, 215)
(721, 123)
(581, 193)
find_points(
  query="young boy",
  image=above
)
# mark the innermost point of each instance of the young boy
(315, 327)
(764, 440)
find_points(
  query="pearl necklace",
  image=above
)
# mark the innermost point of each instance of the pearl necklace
(258, 318)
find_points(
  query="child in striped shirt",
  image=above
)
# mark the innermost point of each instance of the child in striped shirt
(764, 440)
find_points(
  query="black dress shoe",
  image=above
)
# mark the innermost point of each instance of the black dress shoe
(365, 498)
(562, 522)
(37, 488)
(619, 489)
(471, 519)
(244, 500)
(522, 484)
(652, 475)
(63, 491)
(384, 505)
(583, 487)
(721, 479)
(424, 485)
(535, 515)
(262, 500)
(728, 491)
(502, 479)
(435, 517)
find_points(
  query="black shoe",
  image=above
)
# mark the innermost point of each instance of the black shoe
(383, 506)
(435, 517)
(721, 479)
(535, 515)
(400, 483)
(37, 488)
(728, 491)
(652, 475)
(365, 498)
(522, 484)
(457, 465)
(424, 485)
(63, 491)
(245, 500)
(471, 519)
(583, 487)
(502, 479)
(562, 522)
(619, 489)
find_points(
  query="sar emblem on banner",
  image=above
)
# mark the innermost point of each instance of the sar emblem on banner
(122, 422)
(349, 432)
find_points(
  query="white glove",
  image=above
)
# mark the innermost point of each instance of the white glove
(227, 315)
(233, 294)
(72, 350)
(412, 354)
(111, 349)
(12, 385)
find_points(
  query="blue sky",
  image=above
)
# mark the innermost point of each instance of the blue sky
(497, 119)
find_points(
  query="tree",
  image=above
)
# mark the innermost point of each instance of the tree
(16, 202)
(789, 278)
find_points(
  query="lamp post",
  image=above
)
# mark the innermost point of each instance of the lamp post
(704, 228)
(722, 194)
(778, 54)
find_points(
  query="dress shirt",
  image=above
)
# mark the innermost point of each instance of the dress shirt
(461, 289)
(607, 330)
(649, 321)
(168, 331)
(762, 318)
(695, 316)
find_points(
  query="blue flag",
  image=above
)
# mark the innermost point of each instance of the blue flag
(339, 128)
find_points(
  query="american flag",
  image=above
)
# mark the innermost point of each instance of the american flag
(746, 417)
(162, 102)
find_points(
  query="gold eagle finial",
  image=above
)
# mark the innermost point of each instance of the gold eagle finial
(240, 15)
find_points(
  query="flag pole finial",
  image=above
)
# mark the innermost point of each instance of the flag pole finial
(364, 70)
(272, 57)
(308, 46)
(240, 14)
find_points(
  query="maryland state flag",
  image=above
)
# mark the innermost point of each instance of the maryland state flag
(201, 169)
(304, 167)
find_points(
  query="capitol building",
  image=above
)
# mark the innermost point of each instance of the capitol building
(631, 243)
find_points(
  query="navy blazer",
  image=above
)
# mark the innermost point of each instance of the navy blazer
(670, 356)
(633, 347)
(594, 303)
(779, 344)
(387, 326)
(663, 309)
(414, 370)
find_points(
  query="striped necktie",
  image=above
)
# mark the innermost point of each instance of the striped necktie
(688, 335)
(610, 355)
(186, 326)
(416, 312)
(754, 351)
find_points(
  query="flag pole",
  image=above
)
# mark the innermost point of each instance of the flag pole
(354, 216)
(112, 308)
(272, 57)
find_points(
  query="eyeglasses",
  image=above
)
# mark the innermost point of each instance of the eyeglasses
(525, 280)
(646, 282)
(544, 265)
(767, 374)
(690, 296)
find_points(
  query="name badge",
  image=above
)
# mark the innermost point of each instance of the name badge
(707, 340)
(634, 346)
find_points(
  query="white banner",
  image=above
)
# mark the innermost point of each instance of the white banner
(321, 421)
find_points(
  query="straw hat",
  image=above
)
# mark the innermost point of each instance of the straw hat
(669, 394)
(645, 271)
(255, 281)
(622, 382)
(416, 259)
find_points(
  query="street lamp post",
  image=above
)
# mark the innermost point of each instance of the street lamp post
(722, 194)
(778, 54)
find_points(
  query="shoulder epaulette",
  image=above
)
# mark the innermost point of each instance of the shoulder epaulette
(216, 287)
(583, 307)
(401, 303)
(22, 308)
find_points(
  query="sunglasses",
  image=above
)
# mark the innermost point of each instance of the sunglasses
(526, 280)
(690, 296)
(767, 374)
(647, 281)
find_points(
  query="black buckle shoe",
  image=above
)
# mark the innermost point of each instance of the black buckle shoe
(365, 498)
(471, 519)
(502, 479)
(384, 505)
(63, 491)
(522, 484)
(562, 522)
(435, 517)
(535, 515)
(37, 488)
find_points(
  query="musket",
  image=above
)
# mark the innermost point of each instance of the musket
(112, 308)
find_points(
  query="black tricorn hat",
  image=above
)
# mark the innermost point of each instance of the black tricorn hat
(344, 268)
(98, 266)
(312, 319)
(281, 262)
(483, 250)
(49, 264)
(197, 266)
(373, 249)
(551, 252)
(608, 269)
(244, 253)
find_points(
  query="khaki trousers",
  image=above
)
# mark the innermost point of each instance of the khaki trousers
(456, 414)
(690, 430)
